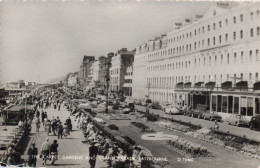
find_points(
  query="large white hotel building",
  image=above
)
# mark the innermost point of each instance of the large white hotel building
(209, 59)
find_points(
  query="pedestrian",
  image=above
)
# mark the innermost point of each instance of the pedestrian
(42, 115)
(58, 119)
(93, 151)
(54, 151)
(68, 122)
(32, 153)
(60, 130)
(38, 124)
(45, 151)
(45, 113)
(48, 127)
(20, 124)
(44, 122)
(216, 125)
(66, 130)
(37, 113)
(58, 106)
(54, 126)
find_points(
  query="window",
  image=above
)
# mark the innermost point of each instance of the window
(236, 105)
(234, 20)
(220, 24)
(208, 27)
(241, 18)
(257, 55)
(242, 56)
(221, 58)
(252, 15)
(241, 34)
(226, 37)
(219, 102)
(224, 104)
(208, 42)
(195, 32)
(214, 103)
(257, 12)
(228, 58)
(203, 29)
(256, 76)
(252, 32)
(226, 22)
(215, 60)
(250, 55)
(220, 39)
(235, 57)
(214, 40)
(234, 35)
(249, 106)
(257, 31)
(214, 26)
(243, 106)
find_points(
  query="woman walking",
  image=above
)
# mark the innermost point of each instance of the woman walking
(38, 124)
(66, 130)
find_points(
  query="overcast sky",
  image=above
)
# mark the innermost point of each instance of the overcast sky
(49, 39)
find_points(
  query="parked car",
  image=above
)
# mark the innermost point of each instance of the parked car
(206, 115)
(172, 110)
(254, 123)
(165, 105)
(156, 105)
(143, 102)
(238, 120)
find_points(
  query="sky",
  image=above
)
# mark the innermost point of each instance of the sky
(45, 40)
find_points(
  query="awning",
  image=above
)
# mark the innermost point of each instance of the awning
(198, 83)
(180, 83)
(210, 83)
(227, 83)
(188, 83)
(257, 86)
(242, 83)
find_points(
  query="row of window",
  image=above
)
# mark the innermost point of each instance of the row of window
(170, 82)
(197, 61)
(202, 29)
(200, 44)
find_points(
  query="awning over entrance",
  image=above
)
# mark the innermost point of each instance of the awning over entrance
(226, 85)
(257, 86)
(179, 85)
(187, 85)
(198, 83)
(242, 85)
(210, 85)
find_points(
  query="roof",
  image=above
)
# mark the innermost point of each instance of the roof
(16, 108)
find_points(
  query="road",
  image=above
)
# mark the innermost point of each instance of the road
(255, 135)
(72, 153)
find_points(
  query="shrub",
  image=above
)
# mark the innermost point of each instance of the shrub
(113, 127)
(152, 117)
(129, 140)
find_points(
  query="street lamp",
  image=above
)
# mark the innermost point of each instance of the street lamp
(108, 64)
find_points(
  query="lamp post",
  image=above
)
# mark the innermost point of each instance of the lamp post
(107, 82)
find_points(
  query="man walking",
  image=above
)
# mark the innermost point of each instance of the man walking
(60, 130)
(93, 150)
(32, 153)
(45, 151)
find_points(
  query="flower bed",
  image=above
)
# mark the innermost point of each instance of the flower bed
(172, 126)
(189, 148)
(141, 127)
(152, 117)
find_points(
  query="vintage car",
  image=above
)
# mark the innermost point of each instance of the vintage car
(238, 120)
(207, 115)
(254, 123)
(172, 110)
(156, 105)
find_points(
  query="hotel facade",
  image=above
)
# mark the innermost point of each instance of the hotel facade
(210, 59)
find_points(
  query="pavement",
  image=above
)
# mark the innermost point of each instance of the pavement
(72, 152)
(241, 131)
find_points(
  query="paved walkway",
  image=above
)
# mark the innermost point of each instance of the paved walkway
(72, 153)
